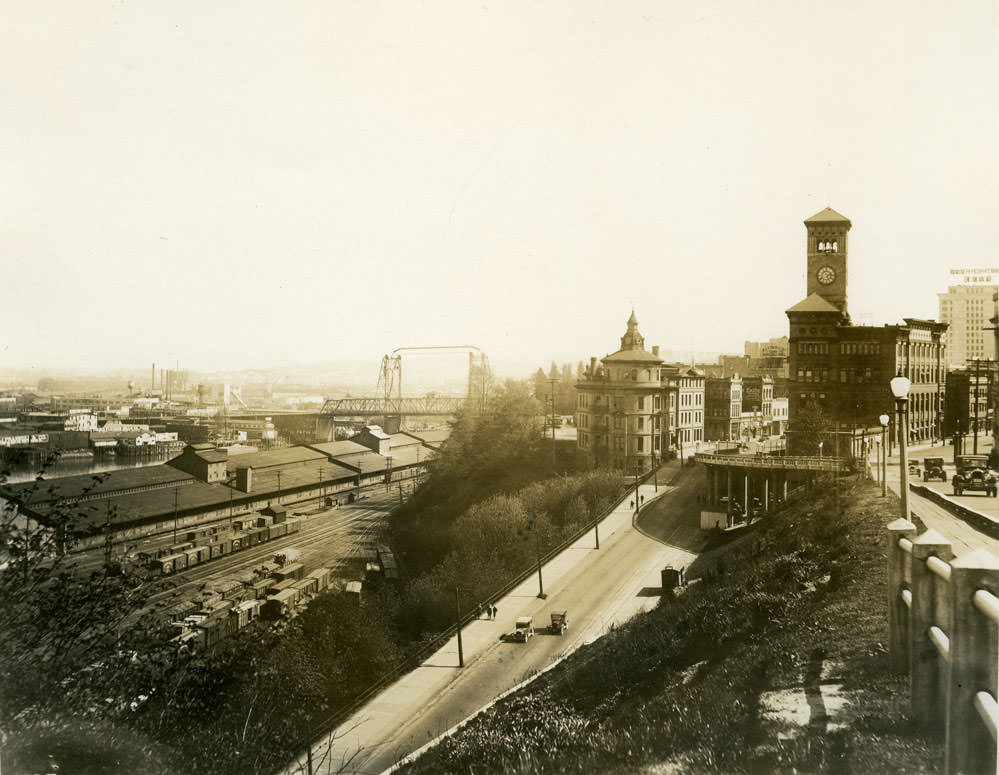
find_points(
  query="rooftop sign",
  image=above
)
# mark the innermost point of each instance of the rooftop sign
(977, 276)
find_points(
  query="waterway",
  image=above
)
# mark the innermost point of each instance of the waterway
(74, 464)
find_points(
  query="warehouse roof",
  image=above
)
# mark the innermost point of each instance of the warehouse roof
(274, 457)
(91, 485)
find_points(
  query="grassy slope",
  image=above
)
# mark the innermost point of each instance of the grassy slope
(686, 687)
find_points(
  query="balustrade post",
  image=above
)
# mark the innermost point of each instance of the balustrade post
(898, 612)
(970, 748)
(930, 607)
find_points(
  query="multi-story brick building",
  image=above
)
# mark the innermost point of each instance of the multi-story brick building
(723, 408)
(845, 369)
(621, 418)
(685, 386)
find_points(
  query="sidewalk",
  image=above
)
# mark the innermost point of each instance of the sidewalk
(437, 695)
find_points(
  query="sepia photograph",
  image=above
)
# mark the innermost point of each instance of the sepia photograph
(475, 388)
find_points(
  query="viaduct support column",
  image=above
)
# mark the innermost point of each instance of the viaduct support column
(728, 506)
(747, 505)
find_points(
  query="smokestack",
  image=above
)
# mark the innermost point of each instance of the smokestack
(152, 379)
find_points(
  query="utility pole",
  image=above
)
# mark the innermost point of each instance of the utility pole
(551, 381)
(974, 437)
(175, 515)
(457, 620)
(541, 581)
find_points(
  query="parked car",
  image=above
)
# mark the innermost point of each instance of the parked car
(933, 468)
(973, 474)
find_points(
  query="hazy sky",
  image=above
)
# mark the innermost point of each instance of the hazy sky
(251, 184)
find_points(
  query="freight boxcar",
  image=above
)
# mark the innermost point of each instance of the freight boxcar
(182, 609)
(273, 587)
(279, 605)
(216, 607)
(230, 588)
(164, 565)
(217, 628)
(307, 586)
(178, 548)
(322, 577)
(294, 570)
(293, 525)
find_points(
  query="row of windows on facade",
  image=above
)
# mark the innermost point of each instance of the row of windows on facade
(638, 443)
(641, 403)
(639, 423)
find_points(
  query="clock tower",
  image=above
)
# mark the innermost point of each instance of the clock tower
(827, 235)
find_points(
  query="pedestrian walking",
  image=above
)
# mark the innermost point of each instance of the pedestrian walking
(642, 501)
(478, 615)
(495, 611)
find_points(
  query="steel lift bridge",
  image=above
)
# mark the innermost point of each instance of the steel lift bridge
(391, 408)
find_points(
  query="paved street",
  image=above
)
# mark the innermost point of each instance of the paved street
(963, 537)
(598, 588)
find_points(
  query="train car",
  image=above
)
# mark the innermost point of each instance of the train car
(322, 577)
(216, 607)
(230, 588)
(260, 586)
(164, 565)
(293, 525)
(178, 548)
(178, 612)
(267, 568)
(217, 628)
(294, 570)
(279, 605)
(279, 530)
(307, 586)
(193, 557)
(247, 611)
(273, 587)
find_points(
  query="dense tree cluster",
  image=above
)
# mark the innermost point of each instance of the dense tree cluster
(82, 678)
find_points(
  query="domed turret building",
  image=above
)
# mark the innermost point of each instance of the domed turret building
(622, 413)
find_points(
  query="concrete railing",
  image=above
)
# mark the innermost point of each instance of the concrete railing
(943, 625)
(801, 463)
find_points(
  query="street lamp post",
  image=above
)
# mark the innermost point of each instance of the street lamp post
(457, 619)
(883, 419)
(541, 581)
(900, 389)
(636, 488)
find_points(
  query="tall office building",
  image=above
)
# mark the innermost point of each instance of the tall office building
(967, 309)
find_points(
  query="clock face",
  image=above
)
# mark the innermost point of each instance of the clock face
(826, 274)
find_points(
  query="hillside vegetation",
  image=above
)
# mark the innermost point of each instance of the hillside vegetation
(772, 661)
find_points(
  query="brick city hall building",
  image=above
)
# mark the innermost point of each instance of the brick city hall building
(845, 369)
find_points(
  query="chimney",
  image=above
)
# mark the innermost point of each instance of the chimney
(655, 350)
(152, 382)
(593, 366)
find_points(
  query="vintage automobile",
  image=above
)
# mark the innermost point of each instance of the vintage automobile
(973, 474)
(560, 623)
(523, 630)
(933, 468)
